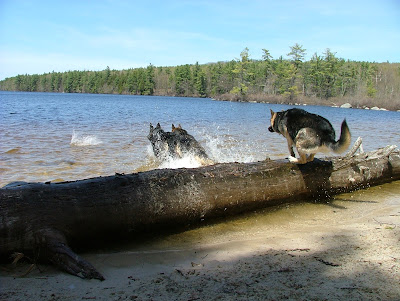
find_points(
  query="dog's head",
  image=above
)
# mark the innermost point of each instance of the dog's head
(158, 140)
(179, 130)
(273, 127)
(277, 122)
(154, 132)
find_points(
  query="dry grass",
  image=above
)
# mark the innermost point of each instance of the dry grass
(356, 102)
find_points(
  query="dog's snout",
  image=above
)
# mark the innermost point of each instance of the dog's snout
(271, 129)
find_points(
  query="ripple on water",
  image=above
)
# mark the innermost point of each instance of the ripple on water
(16, 150)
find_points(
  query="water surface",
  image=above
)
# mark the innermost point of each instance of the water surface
(56, 137)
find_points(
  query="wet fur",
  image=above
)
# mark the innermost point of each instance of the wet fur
(309, 133)
(176, 144)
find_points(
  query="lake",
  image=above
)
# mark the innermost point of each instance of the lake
(60, 137)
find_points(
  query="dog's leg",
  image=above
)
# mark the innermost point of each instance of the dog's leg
(292, 157)
(301, 160)
(310, 158)
(290, 145)
(291, 151)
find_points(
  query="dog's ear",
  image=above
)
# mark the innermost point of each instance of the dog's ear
(158, 126)
(151, 127)
(179, 127)
(272, 113)
(173, 127)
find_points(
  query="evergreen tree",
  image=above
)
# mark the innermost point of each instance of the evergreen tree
(323, 76)
(183, 80)
(199, 80)
(297, 55)
(242, 75)
(268, 70)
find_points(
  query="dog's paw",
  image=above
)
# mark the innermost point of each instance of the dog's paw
(293, 159)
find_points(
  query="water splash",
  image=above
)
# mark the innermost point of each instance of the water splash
(84, 140)
(187, 161)
(219, 149)
(228, 149)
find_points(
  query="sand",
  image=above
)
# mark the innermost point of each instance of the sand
(346, 249)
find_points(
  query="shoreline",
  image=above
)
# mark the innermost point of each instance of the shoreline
(348, 102)
(346, 248)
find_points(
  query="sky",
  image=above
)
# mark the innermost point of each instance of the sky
(38, 36)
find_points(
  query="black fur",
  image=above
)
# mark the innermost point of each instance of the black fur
(160, 141)
(296, 119)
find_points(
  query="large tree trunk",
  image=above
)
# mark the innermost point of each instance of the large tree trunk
(46, 217)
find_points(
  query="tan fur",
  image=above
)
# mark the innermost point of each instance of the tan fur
(273, 116)
(178, 150)
(176, 128)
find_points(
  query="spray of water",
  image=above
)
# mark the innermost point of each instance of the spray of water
(228, 149)
(78, 139)
(219, 149)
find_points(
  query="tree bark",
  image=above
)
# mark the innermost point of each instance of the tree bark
(45, 218)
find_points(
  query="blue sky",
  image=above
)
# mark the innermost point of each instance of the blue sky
(45, 36)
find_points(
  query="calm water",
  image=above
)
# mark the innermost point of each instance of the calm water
(54, 137)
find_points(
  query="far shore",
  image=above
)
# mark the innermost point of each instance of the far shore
(350, 102)
(300, 100)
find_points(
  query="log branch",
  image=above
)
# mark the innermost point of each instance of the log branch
(357, 145)
(55, 247)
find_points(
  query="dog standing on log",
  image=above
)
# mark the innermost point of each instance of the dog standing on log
(176, 144)
(310, 133)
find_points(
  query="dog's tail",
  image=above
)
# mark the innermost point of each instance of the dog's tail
(344, 141)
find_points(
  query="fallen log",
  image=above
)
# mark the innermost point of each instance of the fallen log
(48, 218)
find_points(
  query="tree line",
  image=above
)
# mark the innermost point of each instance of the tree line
(325, 78)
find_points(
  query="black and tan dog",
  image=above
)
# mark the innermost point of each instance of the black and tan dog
(310, 133)
(176, 144)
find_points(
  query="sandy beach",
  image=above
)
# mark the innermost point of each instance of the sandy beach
(345, 249)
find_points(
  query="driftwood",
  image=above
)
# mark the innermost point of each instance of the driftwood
(48, 218)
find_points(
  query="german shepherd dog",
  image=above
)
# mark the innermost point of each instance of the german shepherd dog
(176, 144)
(310, 133)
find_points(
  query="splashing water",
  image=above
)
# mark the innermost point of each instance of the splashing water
(84, 140)
(187, 161)
(219, 149)
(228, 149)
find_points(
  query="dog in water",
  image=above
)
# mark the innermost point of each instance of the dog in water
(310, 133)
(176, 144)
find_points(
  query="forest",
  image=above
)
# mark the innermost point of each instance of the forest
(325, 79)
